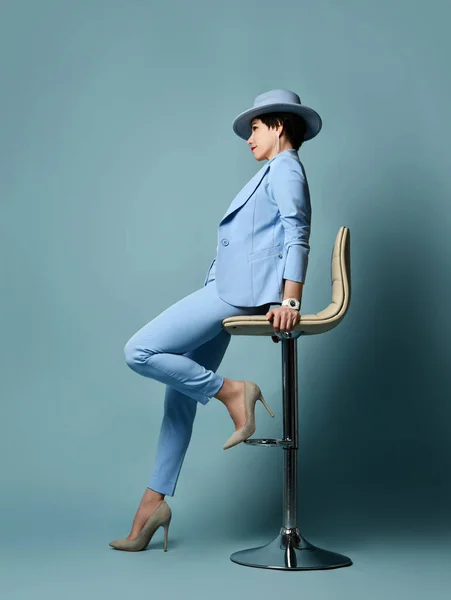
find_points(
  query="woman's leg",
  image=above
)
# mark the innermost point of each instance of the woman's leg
(175, 434)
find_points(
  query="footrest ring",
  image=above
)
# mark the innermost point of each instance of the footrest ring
(270, 442)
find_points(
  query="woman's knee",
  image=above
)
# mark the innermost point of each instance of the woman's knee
(136, 355)
(130, 353)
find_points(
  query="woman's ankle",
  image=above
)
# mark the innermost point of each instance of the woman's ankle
(151, 495)
(229, 389)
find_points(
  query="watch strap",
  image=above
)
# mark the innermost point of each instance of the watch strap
(292, 303)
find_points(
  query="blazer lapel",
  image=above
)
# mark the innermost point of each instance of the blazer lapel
(246, 192)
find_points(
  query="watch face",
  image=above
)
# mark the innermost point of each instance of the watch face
(292, 303)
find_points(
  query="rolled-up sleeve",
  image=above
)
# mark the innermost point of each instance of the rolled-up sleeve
(290, 191)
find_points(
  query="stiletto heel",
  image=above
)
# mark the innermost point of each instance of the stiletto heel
(166, 530)
(252, 393)
(266, 406)
(161, 517)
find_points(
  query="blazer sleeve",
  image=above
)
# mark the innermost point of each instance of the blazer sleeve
(290, 191)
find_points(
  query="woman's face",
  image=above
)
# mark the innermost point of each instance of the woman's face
(264, 140)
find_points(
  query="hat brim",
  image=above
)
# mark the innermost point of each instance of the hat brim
(242, 124)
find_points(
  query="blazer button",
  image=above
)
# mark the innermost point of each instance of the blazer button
(280, 255)
(225, 242)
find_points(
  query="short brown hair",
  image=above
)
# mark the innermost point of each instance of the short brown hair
(293, 126)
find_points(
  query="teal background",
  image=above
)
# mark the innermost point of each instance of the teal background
(101, 103)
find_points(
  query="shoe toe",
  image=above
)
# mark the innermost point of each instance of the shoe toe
(119, 544)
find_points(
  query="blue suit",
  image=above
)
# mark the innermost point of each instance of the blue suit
(263, 237)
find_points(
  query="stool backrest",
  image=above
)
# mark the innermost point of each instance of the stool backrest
(340, 272)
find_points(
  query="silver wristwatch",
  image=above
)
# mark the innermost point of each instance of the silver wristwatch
(292, 303)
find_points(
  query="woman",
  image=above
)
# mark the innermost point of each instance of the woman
(262, 255)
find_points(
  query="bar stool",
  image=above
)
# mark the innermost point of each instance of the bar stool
(290, 550)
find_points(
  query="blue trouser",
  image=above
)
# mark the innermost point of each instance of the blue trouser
(183, 347)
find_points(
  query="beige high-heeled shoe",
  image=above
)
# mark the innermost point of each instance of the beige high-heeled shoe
(252, 393)
(161, 517)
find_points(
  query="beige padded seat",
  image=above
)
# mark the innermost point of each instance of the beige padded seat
(290, 550)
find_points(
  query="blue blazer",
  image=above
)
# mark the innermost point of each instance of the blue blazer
(263, 237)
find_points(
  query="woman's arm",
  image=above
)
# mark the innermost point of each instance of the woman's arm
(290, 191)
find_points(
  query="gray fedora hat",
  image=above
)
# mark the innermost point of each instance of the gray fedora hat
(278, 101)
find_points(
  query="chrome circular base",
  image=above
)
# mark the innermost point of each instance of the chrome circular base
(291, 552)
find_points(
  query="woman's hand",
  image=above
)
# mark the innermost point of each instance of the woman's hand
(284, 319)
